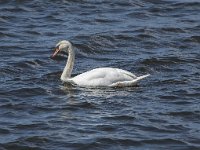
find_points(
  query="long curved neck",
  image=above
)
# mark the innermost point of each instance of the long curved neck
(70, 64)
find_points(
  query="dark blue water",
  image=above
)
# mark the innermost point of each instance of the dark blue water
(159, 37)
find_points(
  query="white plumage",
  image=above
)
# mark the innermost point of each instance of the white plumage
(99, 77)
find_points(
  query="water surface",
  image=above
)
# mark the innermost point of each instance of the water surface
(158, 37)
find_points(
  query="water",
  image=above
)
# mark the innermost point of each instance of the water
(144, 36)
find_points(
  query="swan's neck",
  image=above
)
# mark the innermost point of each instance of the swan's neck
(69, 66)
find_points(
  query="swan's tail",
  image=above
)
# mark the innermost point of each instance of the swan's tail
(142, 77)
(134, 82)
(129, 83)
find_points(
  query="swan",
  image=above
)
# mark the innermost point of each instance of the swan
(99, 77)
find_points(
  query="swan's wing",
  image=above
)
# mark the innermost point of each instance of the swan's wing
(129, 83)
(90, 78)
(126, 73)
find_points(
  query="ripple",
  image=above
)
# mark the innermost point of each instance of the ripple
(145, 36)
(106, 128)
(172, 81)
(120, 118)
(14, 9)
(195, 39)
(164, 61)
(166, 141)
(30, 64)
(191, 115)
(32, 126)
(138, 15)
(27, 92)
(4, 131)
(186, 4)
(81, 105)
(37, 139)
(175, 30)
(122, 142)
(32, 32)
(15, 145)
(105, 20)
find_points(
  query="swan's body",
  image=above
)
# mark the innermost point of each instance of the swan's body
(111, 77)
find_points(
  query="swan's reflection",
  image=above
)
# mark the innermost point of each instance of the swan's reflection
(81, 92)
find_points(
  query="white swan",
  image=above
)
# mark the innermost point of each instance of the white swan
(99, 77)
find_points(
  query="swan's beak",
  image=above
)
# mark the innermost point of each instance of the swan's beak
(55, 53)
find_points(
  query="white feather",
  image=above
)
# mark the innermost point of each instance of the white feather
(110, 77)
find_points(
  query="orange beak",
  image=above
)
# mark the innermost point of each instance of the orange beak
(56, 52)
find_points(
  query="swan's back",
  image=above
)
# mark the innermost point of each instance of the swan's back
(103, 77)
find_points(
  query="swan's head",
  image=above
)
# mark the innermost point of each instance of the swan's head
(62, 47)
